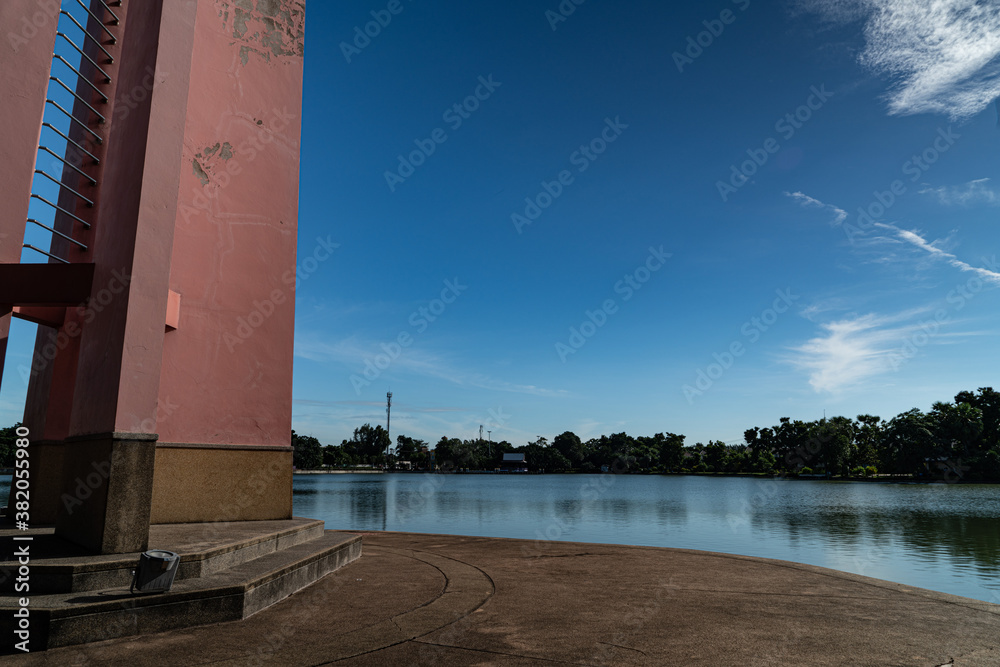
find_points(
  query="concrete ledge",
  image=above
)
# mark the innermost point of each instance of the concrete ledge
(71, 618)
(60, 567)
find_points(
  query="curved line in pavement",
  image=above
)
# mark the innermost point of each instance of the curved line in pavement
(466, 589)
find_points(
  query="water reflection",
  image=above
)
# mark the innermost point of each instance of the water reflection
(939, 537)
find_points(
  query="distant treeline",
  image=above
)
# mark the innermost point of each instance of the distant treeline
(955, 441)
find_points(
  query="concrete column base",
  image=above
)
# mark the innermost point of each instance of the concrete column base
(106, 490)
(207, 483)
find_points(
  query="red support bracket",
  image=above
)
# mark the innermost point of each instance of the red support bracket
(45, 285)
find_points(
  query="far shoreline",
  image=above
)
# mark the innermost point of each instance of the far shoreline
(878, 479)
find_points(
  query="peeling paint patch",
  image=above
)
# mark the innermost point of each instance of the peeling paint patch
(206, 161)
(199, 171)
(266, 28)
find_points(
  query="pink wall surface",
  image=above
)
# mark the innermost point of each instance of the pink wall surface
(198, 196)
(227, 368)
(121, 348)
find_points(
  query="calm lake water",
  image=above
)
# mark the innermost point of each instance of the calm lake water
(937, 536)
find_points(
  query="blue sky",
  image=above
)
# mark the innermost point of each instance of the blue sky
(641, 216)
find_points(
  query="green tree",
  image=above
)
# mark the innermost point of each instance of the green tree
(671, 450)
(412, 450)
(737, 459)
(367, 444)
(868, 439)
(958, 430)
(990, 465)
(568, 444)
(908, 441)
(307, 453)
(715, 455)
(451, 453)
(988, 402)
(837, 451)
(543, 458)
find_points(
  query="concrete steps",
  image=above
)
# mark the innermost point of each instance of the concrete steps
(58, 567)
(228, 572)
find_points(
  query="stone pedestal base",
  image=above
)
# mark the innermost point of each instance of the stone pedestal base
(107, 485)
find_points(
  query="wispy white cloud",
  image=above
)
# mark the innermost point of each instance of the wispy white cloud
(836, 12)
(375, 405)
(967, 194)
(933, 249)
(353, 352)
(943, 55)
(814, 310)
(853, 349)
(839, 214)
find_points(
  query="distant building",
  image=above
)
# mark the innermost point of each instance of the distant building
(514, 463)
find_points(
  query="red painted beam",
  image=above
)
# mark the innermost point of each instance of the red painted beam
(45, 284)
(53, 317)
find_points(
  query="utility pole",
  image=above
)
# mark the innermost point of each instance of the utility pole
(480, 431)
(388, 419)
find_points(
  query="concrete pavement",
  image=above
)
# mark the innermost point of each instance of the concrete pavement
(415, 599)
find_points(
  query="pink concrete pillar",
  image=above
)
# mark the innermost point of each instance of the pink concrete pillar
(187, 331)
(226, 384)
(134, 236)
(113, 416)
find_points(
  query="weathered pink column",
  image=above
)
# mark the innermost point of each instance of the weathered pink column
(171, 400)
(225, 391)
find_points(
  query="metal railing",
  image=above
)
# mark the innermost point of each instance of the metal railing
(69, 143)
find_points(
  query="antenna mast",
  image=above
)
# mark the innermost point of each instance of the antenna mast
(388, 418)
